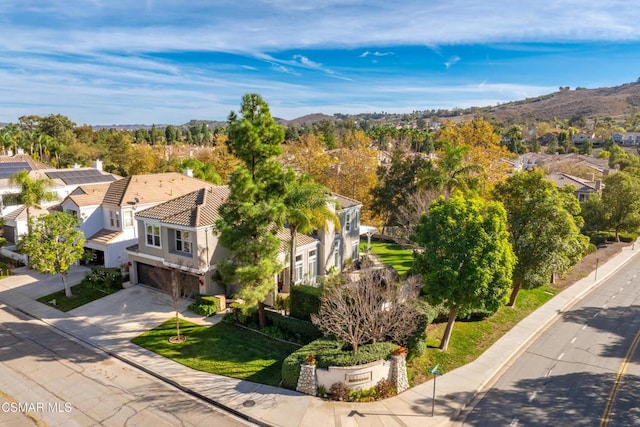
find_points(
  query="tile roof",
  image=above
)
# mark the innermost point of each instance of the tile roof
(21, 213)
(152, 188)
(196, 209)
(285, 239)
(346, 202)
(562, 179)
(104, 236)
(89, 195)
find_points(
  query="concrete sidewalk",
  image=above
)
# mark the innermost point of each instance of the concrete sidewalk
(111, 322)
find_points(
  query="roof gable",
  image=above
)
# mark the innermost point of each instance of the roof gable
(152, 188)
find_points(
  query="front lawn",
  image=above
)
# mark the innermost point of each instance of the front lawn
(470, 339)
(391, 254)
(222, 349)
(82, 294)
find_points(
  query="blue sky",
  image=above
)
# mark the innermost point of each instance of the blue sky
(169, 61)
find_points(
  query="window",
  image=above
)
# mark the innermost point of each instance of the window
(128, 219)
(298, 268)
(183, 241)
(336, 255)
(354, 251)
(72, 212)
(153, 235)
(347, 223)
(313, 265)
(114, 218)
(356, 220)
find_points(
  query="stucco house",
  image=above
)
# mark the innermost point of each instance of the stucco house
(106, 212)
(180, 234)
(63, 182)
(583, 187)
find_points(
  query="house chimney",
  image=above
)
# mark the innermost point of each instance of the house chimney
(97, 164)
(598, 185)
(188, 172)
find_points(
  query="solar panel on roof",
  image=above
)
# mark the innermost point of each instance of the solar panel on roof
(7, 170)
(86, 176)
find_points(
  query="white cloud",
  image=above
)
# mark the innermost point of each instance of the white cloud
(451, 62)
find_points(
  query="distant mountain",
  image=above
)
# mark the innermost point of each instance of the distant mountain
(615, 102)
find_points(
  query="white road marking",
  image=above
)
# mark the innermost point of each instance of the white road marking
(548, 373)
(514, 423)
(574, 338)
(533, 396)
(613, 297)
(561, 356)
(604, 305)
(595, 315)
(621, 289)
(584, 327)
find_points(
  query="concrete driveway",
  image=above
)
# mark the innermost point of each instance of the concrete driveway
(134, 310)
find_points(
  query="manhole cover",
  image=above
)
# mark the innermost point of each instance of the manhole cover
(249, 403)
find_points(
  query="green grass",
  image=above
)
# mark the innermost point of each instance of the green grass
(222, 349)
(470, 339)
(391, 254)
(82, 294)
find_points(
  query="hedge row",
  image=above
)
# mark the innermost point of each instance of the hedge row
(102, 276)
(329, 352)
(305, 300)
(300, 330)
(603, 237)
(206, 305)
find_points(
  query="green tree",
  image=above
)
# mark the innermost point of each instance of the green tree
(32, 192)
(621, 202)
(307, 206)
(254, 211)
(254, 137)
(544, 233)
(467, 259)
(514, 140)
(451, 171)
(54, 244)
(396, 183)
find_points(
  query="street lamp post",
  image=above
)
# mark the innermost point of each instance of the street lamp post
(436, 373)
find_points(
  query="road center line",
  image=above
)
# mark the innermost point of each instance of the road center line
(561, 356)
(584, 327)
(574, 338)
(514, 422)
(595, 315)
(604, 419)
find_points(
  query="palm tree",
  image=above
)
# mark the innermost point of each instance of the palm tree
(32, 192)
(307, 206)
(451, 172)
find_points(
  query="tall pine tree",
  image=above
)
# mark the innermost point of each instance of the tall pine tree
(255, 211)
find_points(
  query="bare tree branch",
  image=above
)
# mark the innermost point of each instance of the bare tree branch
(375, 308)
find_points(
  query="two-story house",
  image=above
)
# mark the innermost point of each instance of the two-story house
(106, 212)
(180, 234)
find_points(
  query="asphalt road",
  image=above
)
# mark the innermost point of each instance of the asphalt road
(47, 379)
(584, 370)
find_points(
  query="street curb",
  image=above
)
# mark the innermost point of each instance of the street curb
(148, 371)
(539, 331)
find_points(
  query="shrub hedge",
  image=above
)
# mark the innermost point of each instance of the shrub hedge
(299, 331)
(305, 300)
(329, 352)
(205, 305)
(102, 276)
